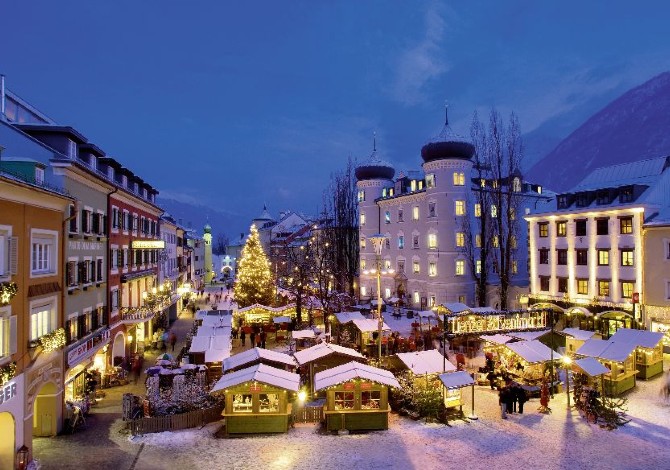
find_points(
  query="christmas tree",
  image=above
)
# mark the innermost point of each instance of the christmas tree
(255, 284)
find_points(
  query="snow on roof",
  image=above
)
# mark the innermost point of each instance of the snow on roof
(497, 338)
(199, 344)
(533, 351)
(458, 379)
(255, 354)
(281, 319)
(345, 317)
(607, 350)
(426, 314)
(353, 370)
(641, 338)
(528, 335)
(324, 349)
(369, 325)
(216, 355)
(456, 307)
(217, 320)
(425, 362)
(578, 334)
(213, 331)
(591, 366)
(483, 310)
(216, 348)
(303, 334)
(260, 373)
(639, 172)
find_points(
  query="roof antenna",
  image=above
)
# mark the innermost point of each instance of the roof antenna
(446, 113)
(374, 141)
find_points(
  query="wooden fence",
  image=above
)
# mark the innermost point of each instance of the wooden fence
(191, 419)
(307, 414)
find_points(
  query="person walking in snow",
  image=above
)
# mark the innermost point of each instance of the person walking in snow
(502, 401)
(173, 339)
(243, 336)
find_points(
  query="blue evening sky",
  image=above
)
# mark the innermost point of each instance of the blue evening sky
(234, 104)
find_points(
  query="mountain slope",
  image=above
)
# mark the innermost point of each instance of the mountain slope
(633, 127)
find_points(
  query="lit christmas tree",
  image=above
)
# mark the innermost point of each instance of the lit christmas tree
(255, 284)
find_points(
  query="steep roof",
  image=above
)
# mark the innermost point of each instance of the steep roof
(353, 370)
(645, 172)
(260, 373)
(257, 354)
(426, 362)
(322, 350)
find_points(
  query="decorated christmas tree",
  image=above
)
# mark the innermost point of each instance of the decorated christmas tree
(254, 277)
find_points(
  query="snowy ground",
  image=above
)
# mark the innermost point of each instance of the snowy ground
(562, 439)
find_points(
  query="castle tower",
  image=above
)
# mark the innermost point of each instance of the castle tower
(209, 270)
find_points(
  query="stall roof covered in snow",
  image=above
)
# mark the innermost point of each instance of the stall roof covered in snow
(533, 351)
(497, 338)
(458, 379)
(213, 331)
(456, 307)
(257, 354)
(483, 310)
(322, 350)
(607, 350)
(216, 348)
(527, 335)
(426, 314)
(351, 371)
(303, 334)
(641, 338)
(281, 319)
(368, 325)
(425, 362)
(346, 317)
(578, 334)
(591, 366)
(260, 373)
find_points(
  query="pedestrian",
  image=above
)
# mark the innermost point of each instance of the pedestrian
(502, 401)
(173, 339)
(137, 366)
(521, 398)
(491, 377)
(252, 338)
(243, 336)
(515, 396)
(258, 340)
(263, 338)
(510, 398)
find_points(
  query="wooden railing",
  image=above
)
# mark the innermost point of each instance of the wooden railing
(187, 420)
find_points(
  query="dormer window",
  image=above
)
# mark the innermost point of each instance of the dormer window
(626, 194)
(582, 199)
(516, 185)
(72, 149)
(563, 201)
(412, 185)
(39, 175)
(93, 162)
(603, 196)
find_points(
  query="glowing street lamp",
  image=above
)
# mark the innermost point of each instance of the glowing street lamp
(566, 362)
(378, 240)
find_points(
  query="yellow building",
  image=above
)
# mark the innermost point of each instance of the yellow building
(656, 277)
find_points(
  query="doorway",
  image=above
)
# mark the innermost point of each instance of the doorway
(45, 411)
(7, 443)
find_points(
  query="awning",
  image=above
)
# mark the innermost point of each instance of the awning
(460, 379)
(367, 325)
(591, 367)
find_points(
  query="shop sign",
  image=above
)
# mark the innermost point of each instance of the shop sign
(366, 385)
(85, 349)
(79, 245)
(349, 386)
(7, 392)
(148, 244)
(255, 388)
(496, 323)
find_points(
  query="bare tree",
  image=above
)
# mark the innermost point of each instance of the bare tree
(220, 245)
(295, 264)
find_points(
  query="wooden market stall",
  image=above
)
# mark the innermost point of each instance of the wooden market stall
(648, 350)
(574, 338)
(592, 370)
(425, 363)
(618, 357)
(255, 356)
(345, 332)
(257, 399)
(526, 362)
(303, 339)
(324, 356)
(356, 396)
(453, 383)
(366, 334)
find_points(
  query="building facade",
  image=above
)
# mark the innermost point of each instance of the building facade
(656, 275)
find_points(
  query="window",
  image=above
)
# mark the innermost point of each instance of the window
(344, 400)
(432, 241)
(627, 289)
(125, 220)
(582, 199)
(417, 298)
(44, 252)
(604, 288)
(494, 211)
(361, 195)
(460, 267)
(432, 269)
(603, 197)
(561, 228)
(459, 178)
(512, 241)
(478, 266)
(512, 213)
(516, 185)
(86, 220)
(460, 239)
(363, 243)
(416, 268)
(242, 403)
(400, 215)
(603, 257)
(415, 242)
(268, 403)
(482, 183)
(98, 270)
(582, 257)
(562, 257)
(580, 227)
(431, 209)
(602, 226)
(430, 180)
(8, 252)
(73, 219)
(627, 258)
(42, 319)
(401, 265)
(583, 286)
(363, 265)
(364, 291)
(478, 210)
(387, 264)
(515, 266)
(460, 208)
(7, 333)
(412, 185)
(478, 241)
(387, 217)
(544, 283)
(563, 285)
(626, 225)
(563, 202)
(462, 299)
(543, 229)
(72, 149)
(415, 213)
(496, 241)
(626, 194)
(362, 218)
(401, 242)
(544, 256)
(116, 218)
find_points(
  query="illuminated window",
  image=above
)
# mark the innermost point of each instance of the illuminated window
(430, 180)
(460, 239)
(603, 257)
(515, 266)
(370, 400)
(387, 292)
(387, 217)
(478, 210)
(583, 286)
(459, 178)
(432, 269)
(460, 207)
(478, 241)
(344, 400)
(268, 403)
(478, 266)
(401, 242)
(361, 195)
(42, 319)
(627, 289)
(604, 288)
(412, 185)
(362, 218)
(417, 299)
(626, 225)
(494, 211)
(516, 185)
(627, 258)
(387, 264)
(363, 243)
(432, 241)
(512, 213)
(44, 252)
(482, 183)
(496, 242)
(362, 264)
(431, 301)
(543, 229)
(415, 212)
(415, 267)
(512, 241)
(364, 291)
(561, 228)
(494, 184)
(460, 267)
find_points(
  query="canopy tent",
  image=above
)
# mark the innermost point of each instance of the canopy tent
(497, 338)
(581, 335)
(533, 352)
(303, 334)
(351, 371)
(324, 349)
(257, 354)
(346, 317)
(368, 325)
(426, 362)
(260, 373)
(528, 335)
(591, 367)
(455, 380)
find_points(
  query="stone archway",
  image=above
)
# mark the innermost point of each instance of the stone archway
(46, 411)
(118, 348)
(7, 443)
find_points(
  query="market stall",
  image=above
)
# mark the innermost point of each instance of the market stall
(526, 363)
(257, 399)
(574, 338)
(303, 339)
(366, 336)
(648, 350)
(453, 383)
(592, 370)
(356, 396)
(324, 356)
(255, 356)
(618, 357)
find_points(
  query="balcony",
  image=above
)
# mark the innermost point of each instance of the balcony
(133, 315)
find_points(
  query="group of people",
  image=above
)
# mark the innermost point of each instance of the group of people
(257, 336)
(511, 399)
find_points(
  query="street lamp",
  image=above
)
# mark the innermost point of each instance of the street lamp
(378, 241)
(566, 362)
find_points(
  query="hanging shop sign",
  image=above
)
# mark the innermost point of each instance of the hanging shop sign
(484, 324)
(148, 244)
(88, 348)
